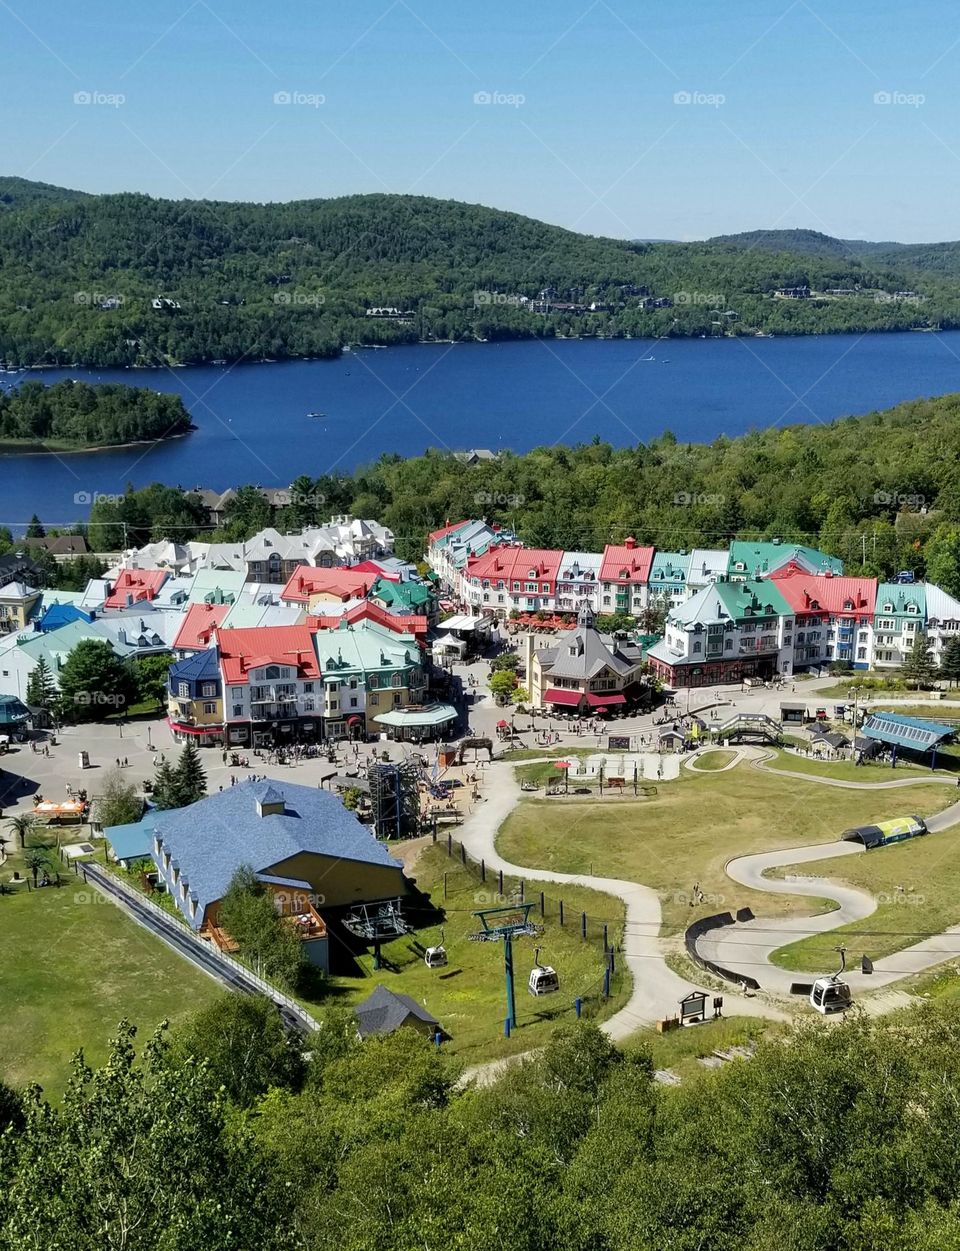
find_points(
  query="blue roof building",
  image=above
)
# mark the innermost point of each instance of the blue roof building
(913, 733)
(298, 840)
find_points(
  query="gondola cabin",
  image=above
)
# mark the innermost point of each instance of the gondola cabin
(435, 957)
(830, 995)
(543, 980)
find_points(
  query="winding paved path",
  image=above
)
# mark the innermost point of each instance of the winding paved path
(656, 990)
(747, 947)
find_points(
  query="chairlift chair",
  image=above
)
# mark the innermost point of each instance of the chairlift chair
(436, 957)
(543, 977)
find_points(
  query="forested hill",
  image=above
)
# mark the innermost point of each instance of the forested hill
(111, 280)
(75, 415)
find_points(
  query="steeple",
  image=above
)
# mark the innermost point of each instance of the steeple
(585, 617)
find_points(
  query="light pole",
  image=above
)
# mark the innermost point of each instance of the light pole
(855, 692)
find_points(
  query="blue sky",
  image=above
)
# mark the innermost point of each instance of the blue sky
(676, 121)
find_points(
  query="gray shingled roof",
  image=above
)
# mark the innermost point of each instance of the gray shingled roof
(385, 1010)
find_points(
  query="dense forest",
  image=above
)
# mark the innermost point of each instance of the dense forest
(77, 414)
(112, 280)
(223, 1136)
(881, 491)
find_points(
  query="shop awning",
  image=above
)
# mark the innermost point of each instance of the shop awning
(605, 701)
(555, 696)
(180, 728)
(354, 720)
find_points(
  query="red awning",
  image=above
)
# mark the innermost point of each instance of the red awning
(603, 701)
(194, 729)
(555, 696)
(354, 720)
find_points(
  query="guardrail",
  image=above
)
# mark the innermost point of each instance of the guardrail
(703, 926)
(113, 884)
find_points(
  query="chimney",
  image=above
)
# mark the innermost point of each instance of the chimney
(630, 543)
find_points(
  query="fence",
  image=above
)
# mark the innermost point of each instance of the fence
(112, 885)
(604, 931)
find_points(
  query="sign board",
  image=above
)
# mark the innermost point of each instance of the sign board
(618, 742)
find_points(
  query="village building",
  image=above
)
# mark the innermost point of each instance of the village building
(583, 673)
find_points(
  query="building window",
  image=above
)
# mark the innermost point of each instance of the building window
(396, 680)
(374, 681)
(209, 709)
(308, 688)
(183, 690)
(238, 710)
(396, 699)
(208, 690)
(353, 701)
(374, 701)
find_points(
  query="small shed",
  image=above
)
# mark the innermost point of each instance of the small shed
(793, 713)
(385, 1011)
(671, 740)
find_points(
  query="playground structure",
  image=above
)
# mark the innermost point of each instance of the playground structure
(395, 799)
(478, 745)
(750, 727)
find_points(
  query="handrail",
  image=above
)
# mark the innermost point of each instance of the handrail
(171, 923)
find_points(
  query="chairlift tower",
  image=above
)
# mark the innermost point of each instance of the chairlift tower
(504, 925)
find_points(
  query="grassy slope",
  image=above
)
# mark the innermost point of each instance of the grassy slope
(688, 832)
(467, 997)
(927, 868)
(72, 964)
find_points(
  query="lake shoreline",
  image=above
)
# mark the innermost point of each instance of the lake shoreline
(28, 447)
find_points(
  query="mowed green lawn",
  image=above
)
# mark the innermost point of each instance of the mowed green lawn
(847, 771)
(687, 832)
(71, 966)
(715, 758)
(468, 996)
(927, 869)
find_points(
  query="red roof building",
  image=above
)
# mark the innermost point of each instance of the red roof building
(377, 569)
(199, 624)
(400, 623)
(626, 563)
(135, 586)
(307, 582)
(243, 650)
(829, 595)
(436, 535)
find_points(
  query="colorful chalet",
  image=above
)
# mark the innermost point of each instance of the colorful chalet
(624, 575)
(272, 691)
(309, 852)
(578, 581)
(199, 625)
(311, 586)
(508, 578)
(900, 616)
(727, 632)
(585, 674)
(367, 669)
(668, 577)
(834, 618)
(195, 697)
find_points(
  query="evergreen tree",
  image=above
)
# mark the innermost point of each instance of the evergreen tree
(918, 666)
(950, 661)
(164, 794)
(35, 528)
(41, 688)
(190, 779)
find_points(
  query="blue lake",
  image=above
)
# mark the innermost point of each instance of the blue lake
(253, 425)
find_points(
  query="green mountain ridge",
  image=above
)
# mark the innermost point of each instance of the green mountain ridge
(248, 280)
